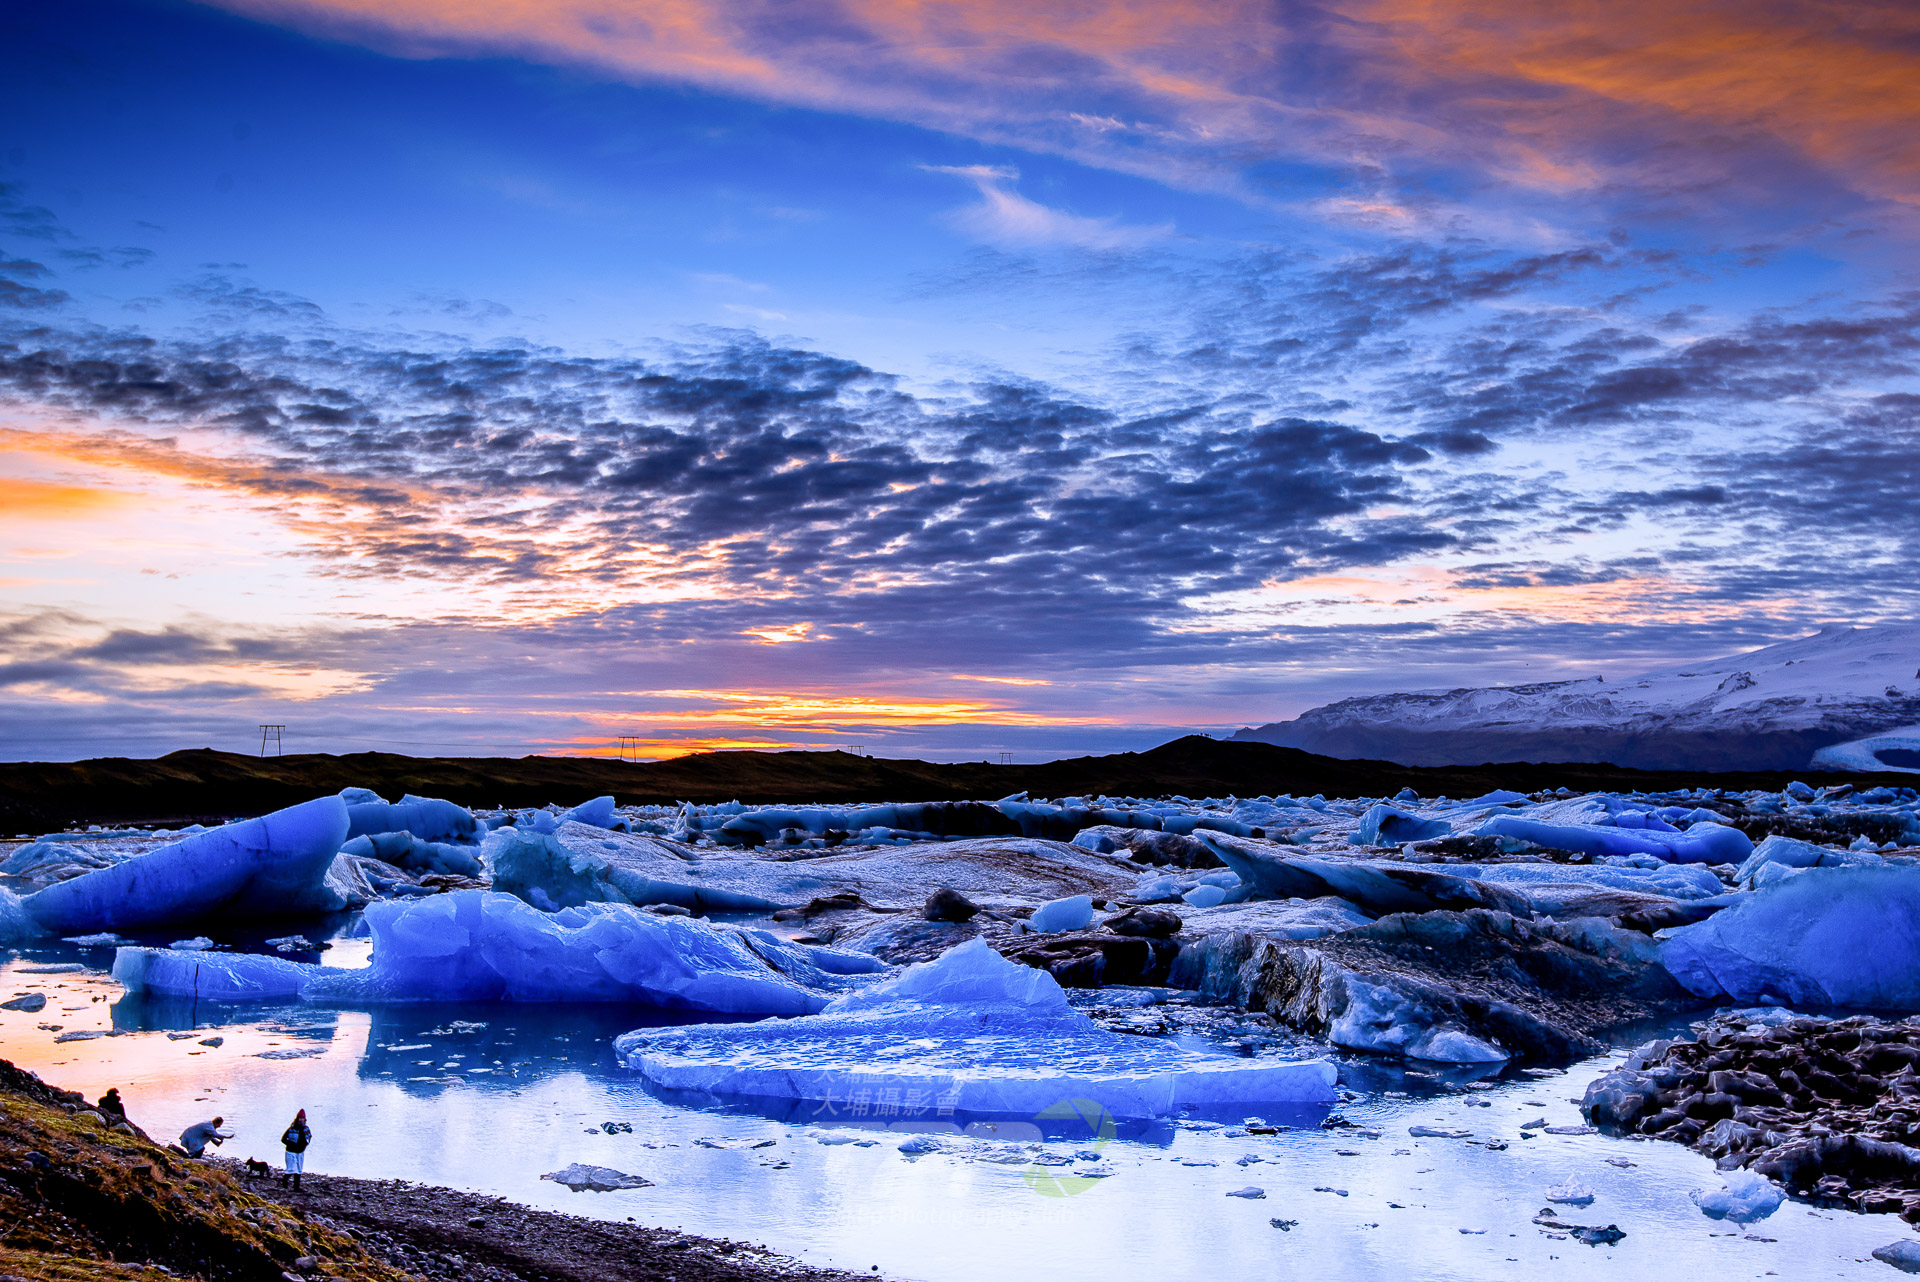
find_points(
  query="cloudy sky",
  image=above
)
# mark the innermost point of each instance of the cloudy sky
(945, 377)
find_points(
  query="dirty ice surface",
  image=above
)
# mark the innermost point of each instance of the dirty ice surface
(430, 1092)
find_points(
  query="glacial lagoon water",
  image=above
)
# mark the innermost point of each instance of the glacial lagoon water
(491, 1098)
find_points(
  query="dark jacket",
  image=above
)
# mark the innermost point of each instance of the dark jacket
(297, 1137)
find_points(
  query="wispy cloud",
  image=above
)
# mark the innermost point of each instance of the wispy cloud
(1002, 216)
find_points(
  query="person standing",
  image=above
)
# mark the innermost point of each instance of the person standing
(296, 1138)
(196, 1138)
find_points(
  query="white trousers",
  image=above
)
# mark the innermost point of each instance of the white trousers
(296, 1162)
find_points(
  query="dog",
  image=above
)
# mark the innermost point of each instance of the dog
(257, 1167)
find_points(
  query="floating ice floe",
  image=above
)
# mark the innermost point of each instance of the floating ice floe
(267, 867)
(1825, 937)
(582, 1178)
(975, 1033)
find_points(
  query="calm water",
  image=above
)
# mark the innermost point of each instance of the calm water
(492, 1098)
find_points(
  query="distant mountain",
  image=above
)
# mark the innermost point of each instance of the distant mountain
(1850, 694)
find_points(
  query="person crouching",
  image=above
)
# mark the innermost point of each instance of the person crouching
(295, 1139)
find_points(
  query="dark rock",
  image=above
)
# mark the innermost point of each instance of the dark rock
(1146, 923)
(1092, 959)
(945, 904)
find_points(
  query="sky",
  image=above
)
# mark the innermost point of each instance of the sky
(931, 378)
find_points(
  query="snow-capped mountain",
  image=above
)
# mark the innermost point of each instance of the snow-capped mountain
(1837, 693)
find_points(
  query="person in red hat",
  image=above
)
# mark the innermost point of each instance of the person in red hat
(296, 1138)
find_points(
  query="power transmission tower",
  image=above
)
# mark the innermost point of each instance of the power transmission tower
(630, 747)
(272, 732)
(1006, 758)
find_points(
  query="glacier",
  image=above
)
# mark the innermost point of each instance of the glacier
(969, 1032)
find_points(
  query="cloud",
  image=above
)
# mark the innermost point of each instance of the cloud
(1005, 217)
(1608, 102)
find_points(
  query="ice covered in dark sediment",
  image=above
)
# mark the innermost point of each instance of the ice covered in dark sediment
(970, 1032)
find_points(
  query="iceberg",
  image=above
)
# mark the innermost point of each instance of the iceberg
(1385, 825)
(1824, 937)
(1787, 852)
(1377, 888)
(544, 870)
(428, 818)
(1072, 913)
(1745, 1196)
(404, 850)
(1703, 843)
(475, 945)
(969, 1032)
(220, 977)
(271, 866)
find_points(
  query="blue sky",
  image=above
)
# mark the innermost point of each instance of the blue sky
(946, 379)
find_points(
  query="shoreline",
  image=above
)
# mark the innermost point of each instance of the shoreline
(436, 1232)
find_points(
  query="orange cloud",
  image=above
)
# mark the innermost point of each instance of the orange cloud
(1838, 81)
(46, 500)
(1540, 92)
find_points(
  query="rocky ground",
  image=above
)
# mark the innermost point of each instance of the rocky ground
(1829, 1109)
(86, 1195)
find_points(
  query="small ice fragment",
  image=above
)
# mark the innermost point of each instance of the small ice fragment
(599, 1179)
(1438, 1132)
(1571, 1130)
(30, 1002)
(1904, 1256)
(198, 944)
(1571, 1192)
(1746, 1197)
(1250, 1193)
(919, 1144)
(1072, 913)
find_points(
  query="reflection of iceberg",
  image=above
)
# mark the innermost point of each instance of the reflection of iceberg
(268, 867)
(971, 1032)
(475, 946)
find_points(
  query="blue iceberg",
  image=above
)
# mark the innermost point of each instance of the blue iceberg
(474, 945)
(970, 1032)
(272, 866)
(1824, 937)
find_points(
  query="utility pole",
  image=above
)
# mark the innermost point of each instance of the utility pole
(272, 732)
(1006, 758)
(630, 747)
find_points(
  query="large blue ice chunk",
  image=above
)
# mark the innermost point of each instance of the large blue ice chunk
(474, 945)
(1791, 853)
(428, 818)
(220, 977)
(1826, 937)
(973, 1033)
(271, 866)
(1075, 912)
(598, 813)
(1385, 825)
(1703, 843)
(543, 870)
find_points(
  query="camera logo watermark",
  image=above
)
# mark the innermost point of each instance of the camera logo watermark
(1055, 1182)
